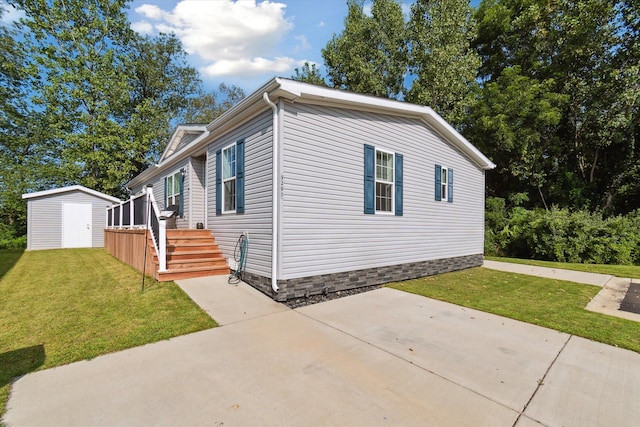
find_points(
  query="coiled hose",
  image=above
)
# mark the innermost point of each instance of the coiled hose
(240, 256)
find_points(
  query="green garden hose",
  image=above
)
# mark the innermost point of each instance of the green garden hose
(240, 256)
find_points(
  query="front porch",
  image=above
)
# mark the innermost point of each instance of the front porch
(136, 233)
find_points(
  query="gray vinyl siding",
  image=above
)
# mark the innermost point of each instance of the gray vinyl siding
(44, 219)
(256, 220)
(324, 226)
(197, 191)
(158, 190)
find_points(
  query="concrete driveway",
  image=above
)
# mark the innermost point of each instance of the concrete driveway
(379, 358)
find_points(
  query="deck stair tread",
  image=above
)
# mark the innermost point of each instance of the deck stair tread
(191, 253)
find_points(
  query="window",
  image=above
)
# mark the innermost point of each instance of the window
(384, 181)
(172, 189)
(444, 184)
(229, 178)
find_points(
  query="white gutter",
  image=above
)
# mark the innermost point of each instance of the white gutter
(274, 195)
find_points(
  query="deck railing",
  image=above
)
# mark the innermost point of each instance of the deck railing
(141, 212)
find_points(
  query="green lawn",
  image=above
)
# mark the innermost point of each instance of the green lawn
(629, 271)
(551, 303)
(61, 306)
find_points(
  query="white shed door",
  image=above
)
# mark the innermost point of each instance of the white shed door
(76, 225)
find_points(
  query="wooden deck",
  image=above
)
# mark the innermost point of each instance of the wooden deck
(190, 253)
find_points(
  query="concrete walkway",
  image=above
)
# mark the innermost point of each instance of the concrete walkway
(607, 301)
(550, 273)
(383, 357)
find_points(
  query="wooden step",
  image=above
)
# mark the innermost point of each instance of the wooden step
(188, 273)
(188, 263)
(189, 240)
(199, 246)
(197, 254)
(180, 232)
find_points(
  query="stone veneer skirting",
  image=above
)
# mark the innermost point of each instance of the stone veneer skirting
(329, 283)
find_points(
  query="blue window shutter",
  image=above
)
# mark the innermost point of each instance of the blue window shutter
(164, 202)
(181, 204)
(369, 179)
(450, 186)
(438, 182)
(219, 182)
(398, 201)
(240, 176)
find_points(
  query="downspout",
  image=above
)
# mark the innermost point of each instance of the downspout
(274, 196)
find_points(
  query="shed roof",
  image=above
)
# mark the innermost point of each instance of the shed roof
(68, 189)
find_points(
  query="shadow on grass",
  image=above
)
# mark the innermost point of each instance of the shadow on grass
(19, 362)
(8, 258)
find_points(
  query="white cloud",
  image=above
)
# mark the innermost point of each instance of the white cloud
(321, 24)
(232, 36)
(250, 67)
(142, 27)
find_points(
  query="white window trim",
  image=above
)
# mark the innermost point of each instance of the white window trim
(376, 180)
(170, 188)
(444, 184)
(235, 178)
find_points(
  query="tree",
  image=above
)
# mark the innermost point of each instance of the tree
(309, 73)
(441, 59)
(577, 52)
(23, 159)
(206, 107)
(370, 55)
(107, 95)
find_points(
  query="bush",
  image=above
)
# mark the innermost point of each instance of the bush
(561, 235)
(14, 243)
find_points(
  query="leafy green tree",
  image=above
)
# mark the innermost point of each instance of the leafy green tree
(516, 120)
(441, 59)
(576, 51)
(107, 94)
(309, 73)
(370, 55)
(23, 157)
(206, 107)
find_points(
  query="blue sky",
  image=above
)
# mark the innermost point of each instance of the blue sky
(244, 43)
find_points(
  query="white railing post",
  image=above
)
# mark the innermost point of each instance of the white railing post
(131, 212)
(106, 218)
(120, 212)
(162, 244)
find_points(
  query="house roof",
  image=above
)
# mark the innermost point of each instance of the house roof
(181, 137)
(71, 188)
(295, 91)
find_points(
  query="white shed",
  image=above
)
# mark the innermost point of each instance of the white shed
(68, 217)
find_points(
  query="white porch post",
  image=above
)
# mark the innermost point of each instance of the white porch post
(162, 244)
(132, 220)
(120, 212)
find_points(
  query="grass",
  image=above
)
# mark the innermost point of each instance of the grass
(61, 306)
(629, 271)
(550, 303)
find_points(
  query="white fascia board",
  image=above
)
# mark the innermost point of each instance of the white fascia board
(71, 188)
(177, 135)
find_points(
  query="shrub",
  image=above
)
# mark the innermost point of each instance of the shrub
(561, 235)
(14, 243)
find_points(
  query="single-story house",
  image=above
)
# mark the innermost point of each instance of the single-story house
(335, 190)
(68, 217)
